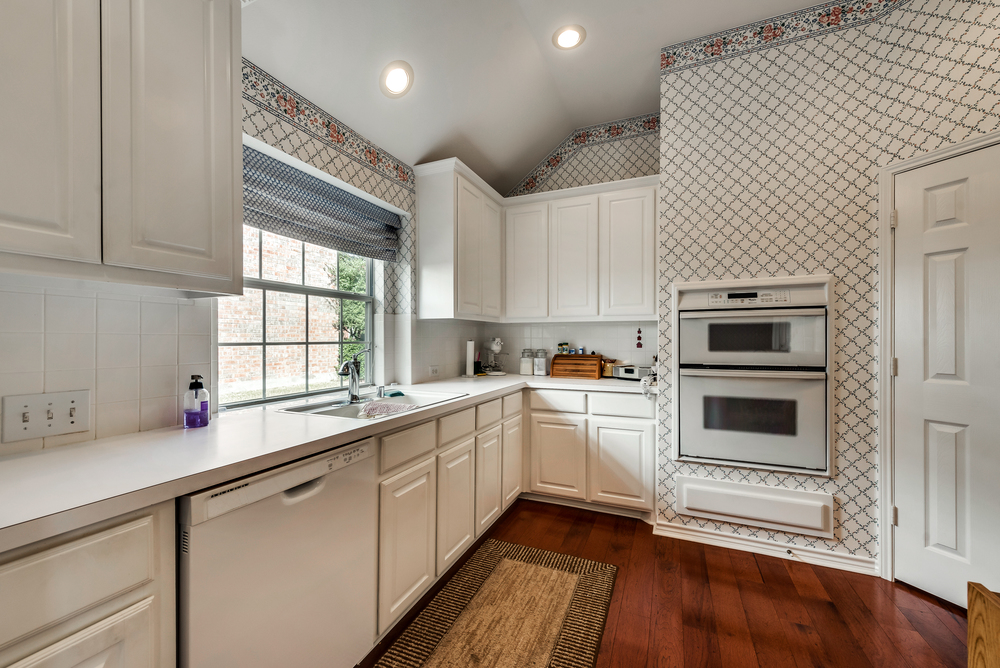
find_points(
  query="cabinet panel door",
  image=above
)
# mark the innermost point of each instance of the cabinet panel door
(489, 502)
(573, 257)
(469, 213)
(527, 249)
(172, 149)
(490, 259)
(621, 462)
(50, 128)
(456, 510)
(513, 453)
(627, 240)
(407, 519)
(559, 455)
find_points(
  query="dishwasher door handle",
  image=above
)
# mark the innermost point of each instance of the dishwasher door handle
(302, 492)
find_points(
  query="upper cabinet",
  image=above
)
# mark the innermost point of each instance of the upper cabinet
(627, 240)
(573, 257)
(128, 167)
(528, 261)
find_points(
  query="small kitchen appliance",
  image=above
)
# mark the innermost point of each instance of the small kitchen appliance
(495, 360)
(630, 371)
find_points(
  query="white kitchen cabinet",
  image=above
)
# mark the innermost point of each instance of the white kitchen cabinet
(456, 503)
(573, 257)
(490, 259)
(621, 462)
(513, 454)
(559, 455)
(407, 521)
(469, 226)
(489, 499)
(527, 250)
(627, 241)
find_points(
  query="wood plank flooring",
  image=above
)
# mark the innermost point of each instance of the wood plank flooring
(678, 603)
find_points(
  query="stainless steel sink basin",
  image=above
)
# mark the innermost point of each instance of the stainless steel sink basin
(345, 410)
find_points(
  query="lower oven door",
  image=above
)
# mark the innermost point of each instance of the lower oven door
(773, 419)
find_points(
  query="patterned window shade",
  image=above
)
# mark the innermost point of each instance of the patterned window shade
(283, 200)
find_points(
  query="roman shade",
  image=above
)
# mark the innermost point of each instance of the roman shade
(281, 199)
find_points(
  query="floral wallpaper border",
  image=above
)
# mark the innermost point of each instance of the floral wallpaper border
(266, 92)
(625, 128)
(791, 27)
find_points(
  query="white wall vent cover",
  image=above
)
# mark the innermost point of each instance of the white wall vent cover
(809, 513)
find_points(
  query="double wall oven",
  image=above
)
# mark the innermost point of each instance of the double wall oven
(753, 386)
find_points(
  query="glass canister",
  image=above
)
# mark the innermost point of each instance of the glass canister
(527, 362)
(541, 359)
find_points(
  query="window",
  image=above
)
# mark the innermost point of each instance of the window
(304, 309)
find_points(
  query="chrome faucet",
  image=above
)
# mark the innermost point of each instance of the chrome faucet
(352, 370)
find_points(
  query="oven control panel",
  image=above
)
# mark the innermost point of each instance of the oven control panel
(748, 298)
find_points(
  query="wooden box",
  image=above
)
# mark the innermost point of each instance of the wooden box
(577, 366)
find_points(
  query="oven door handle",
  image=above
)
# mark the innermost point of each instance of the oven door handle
(782, 375)
(755, 313)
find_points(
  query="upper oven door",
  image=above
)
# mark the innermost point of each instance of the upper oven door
(760, 337)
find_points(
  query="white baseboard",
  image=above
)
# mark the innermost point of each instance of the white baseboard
(808, 555)
(645, 516)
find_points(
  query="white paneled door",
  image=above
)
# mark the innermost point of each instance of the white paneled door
(947, 393)
(527, 261)
(573, 257)
(469, 274)
(627, 242)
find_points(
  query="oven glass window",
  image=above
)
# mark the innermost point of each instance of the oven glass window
(760, 416)
(768, 337)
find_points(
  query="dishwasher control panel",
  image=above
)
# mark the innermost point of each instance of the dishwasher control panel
(349, 455)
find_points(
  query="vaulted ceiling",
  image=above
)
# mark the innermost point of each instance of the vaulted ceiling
(489, 87)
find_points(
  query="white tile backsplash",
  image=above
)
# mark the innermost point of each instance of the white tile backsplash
(22, 312)
(616, 340)
(117, 317)
(158, 350)
(157, 318)
(22, 352)
(64, 352)
(117, 350)
(72, 315)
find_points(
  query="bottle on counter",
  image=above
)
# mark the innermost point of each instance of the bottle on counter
(196, 404)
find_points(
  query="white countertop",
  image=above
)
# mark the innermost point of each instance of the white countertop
(46, 492)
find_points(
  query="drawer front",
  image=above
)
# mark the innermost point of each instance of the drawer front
(408, 445)
(560, 401)
(42, 589)
(512, 405)
(454, 427)
(618, 404)
(489, 413)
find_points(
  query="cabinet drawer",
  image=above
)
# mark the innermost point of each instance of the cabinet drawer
(43, 588)
(512, 405)
(407, 445)
(453, 427)
(618, 404)
(560, 401)
(489, 413)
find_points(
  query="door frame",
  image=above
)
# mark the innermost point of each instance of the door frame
(886, 286)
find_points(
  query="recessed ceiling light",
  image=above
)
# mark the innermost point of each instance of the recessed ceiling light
(569, 37)
(396, 79)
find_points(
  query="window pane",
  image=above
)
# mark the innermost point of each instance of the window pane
(241, 376)
(286, 317)
(282, 259)
(286, 370)
(324, 362)
(352, 349)
(251, 254)
(321, 267)
(324, 319)
(354, 320)
(241, 318)
(353, 276)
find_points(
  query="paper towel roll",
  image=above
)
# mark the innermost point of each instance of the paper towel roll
(470, 358)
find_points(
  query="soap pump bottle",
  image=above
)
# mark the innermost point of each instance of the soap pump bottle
(196, 404)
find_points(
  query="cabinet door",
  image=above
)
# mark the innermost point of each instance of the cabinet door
(559, 455)
(513, 449)
(50, 128)
(469, 223)
(407, 519)
(621, 462)
(171, 135)
(527, 249)
(489, 502)
(627, 240)
(490, 259)
(573, 257)
(456, 503)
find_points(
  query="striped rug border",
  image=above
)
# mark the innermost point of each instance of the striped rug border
(580, 636)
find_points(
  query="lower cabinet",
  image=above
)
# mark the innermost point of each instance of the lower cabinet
(621, 462)
(489, 499)
(456, 503)
(559, 455)
(407, 521)
(513, 455)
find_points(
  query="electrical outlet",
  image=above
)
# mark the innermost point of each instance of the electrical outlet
(434, 371)
(37, 415)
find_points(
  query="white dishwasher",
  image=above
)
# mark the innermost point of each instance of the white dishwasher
(278, 569)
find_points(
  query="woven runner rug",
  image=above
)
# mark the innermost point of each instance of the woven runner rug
(511, 606)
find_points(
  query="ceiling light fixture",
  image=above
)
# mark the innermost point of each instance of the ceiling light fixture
(396, 79)
(569, 37)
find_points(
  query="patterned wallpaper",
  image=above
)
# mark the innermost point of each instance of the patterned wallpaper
(772, 136)
(622, 149)
(279, 116)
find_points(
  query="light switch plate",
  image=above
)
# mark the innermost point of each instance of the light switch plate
(37, 415)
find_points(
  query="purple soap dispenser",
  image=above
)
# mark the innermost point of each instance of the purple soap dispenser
(196, 404)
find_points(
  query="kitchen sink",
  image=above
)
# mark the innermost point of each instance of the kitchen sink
(343, 409)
